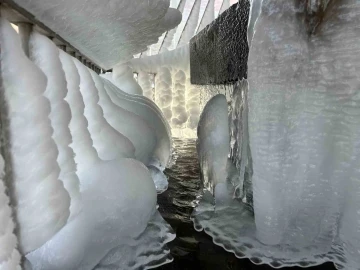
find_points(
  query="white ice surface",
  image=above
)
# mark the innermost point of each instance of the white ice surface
(109, 32)
(9, 255)
(41, 201)
(45, 55)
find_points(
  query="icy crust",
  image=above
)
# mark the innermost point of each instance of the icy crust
(147, 251)
(46, 56)
(148, 111)
(141, 135)
(41, 201)
(9, 255)
(107, 33)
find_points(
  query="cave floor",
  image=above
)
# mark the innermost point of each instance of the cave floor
(192, 249)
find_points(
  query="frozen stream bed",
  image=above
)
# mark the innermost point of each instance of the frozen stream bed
(192, 249)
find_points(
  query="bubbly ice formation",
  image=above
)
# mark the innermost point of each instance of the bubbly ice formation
(9, 255)
(145, 81)
(163, 94)
(107, 33)
(213, 142)
(46, 56)
(303, 122)
(174, 94)
(41, 201)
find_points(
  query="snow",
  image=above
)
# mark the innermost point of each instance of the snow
(106, 33)
(46, 56)
(124, 78)
(41, 201)
(213, 142)
(303, 105)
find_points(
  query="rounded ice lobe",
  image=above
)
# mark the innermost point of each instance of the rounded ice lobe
(213, 142)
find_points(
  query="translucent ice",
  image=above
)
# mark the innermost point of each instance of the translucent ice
(213, 142)
(41, 201)
(159, 178)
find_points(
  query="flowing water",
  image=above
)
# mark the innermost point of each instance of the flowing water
(192, 249)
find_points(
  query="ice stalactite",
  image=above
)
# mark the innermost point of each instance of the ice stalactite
(163, 96)
(41, 201)
(9, 255)
(146, 81)
(136, 129)
(108, 142)
(303, 120)
(46, 56)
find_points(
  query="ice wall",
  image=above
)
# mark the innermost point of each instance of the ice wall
(114, 196)
(303, 126)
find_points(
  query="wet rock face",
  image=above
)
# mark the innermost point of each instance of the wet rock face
(218, 54)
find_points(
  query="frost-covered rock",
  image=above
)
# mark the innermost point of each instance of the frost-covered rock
(42, 203)
(213, 142)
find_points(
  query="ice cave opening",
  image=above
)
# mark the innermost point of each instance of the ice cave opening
(179, 134)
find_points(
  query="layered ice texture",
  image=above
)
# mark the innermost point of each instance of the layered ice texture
(106, 33)
(83, 194)
(303, 124)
